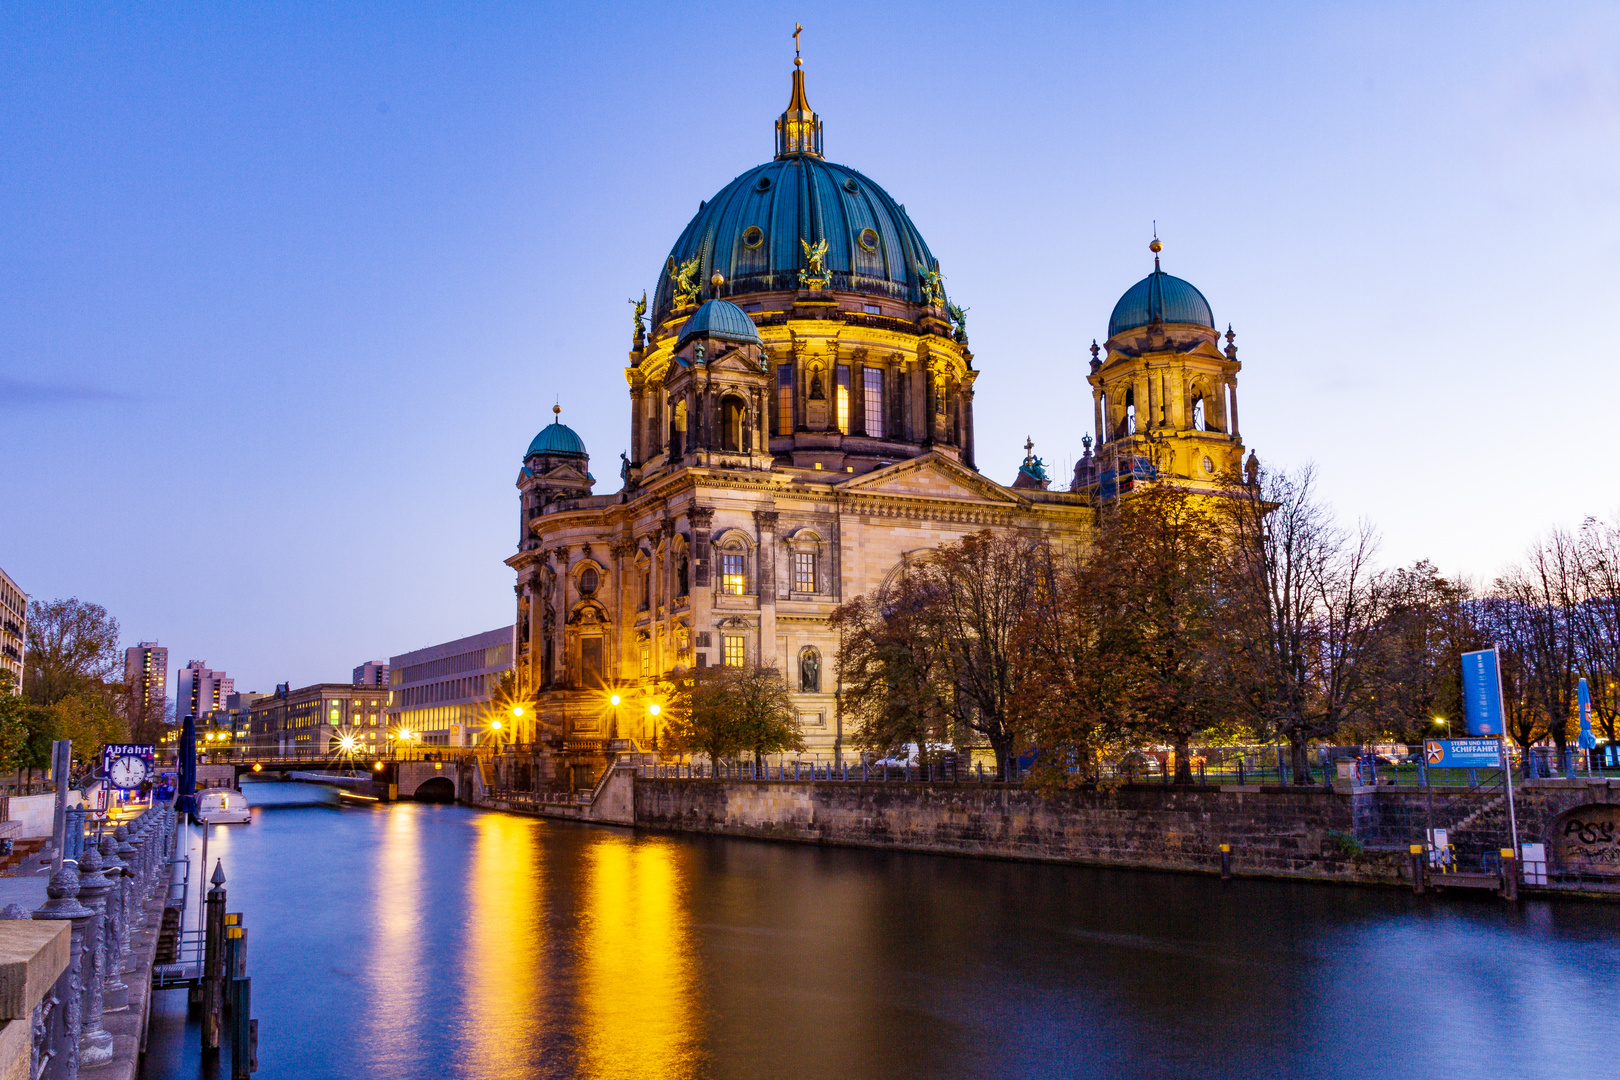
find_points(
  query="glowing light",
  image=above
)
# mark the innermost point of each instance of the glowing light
(257, 767)
(654, 708)
(377, 765)
(517, 710)
(495, 725)
(614, 700)
(347, 744)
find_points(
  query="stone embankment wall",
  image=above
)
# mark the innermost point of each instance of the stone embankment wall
(1274, 832)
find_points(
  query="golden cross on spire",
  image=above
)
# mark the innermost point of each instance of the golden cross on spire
(798, 28)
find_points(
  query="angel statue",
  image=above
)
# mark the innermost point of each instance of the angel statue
(641, 311)
(815, 277)
(959, 317)
(933, 290)
(686, 289)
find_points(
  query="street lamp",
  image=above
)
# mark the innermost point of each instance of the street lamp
(653, 709)
(1443, 720)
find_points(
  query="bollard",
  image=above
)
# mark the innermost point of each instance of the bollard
(241, 1007)
(1226, 862)
(63, 891)
(1510, 875)
(95, 1041)
(115, 996)
(213, 988)
(1419, 867)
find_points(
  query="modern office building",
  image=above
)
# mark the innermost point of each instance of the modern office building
(230, 726)
(437, 695)
(13, 629)
(199, 691)
(316, 720)
(147, 665)
(371, 673)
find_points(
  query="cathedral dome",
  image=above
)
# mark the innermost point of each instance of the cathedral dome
(1159, 297)
(755, 230)
(557, 438)
(720, 320)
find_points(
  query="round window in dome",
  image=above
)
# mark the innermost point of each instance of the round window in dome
(762, 184)
(587, 581)
(869, 239)
(851, 186)
(753, 236)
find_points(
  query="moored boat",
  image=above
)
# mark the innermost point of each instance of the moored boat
(223, 806)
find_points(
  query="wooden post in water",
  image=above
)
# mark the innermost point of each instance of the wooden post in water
(1226, 862)
(213, 976)
(1510, 874)
(1415, 854)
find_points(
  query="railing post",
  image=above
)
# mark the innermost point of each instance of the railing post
(95, 1042)
(213, 988)
(116, 994)
(62, 1042)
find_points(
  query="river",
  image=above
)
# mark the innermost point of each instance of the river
(403, 941)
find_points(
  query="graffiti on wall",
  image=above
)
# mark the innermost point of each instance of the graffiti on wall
(1587, 837)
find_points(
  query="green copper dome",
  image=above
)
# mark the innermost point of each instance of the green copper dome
(1159, 297)
(721, 320)
(557, 438)
(754, 232)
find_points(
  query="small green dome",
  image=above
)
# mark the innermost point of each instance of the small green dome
(559, 439)
(1159, 297)
(721, 320)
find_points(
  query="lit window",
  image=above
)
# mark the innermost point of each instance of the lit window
(843, 398)
(873, 378)
(734, 650)
(731, 573)
(784, 400)
(804, 571)
(646, 662)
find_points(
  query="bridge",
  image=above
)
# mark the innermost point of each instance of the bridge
(423, 776)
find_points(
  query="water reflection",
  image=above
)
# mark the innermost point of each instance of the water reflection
(506, 938)
(637, 982)
(407, 941)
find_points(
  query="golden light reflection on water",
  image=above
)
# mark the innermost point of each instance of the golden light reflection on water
(505, 980)
(397, 969)
(637, 1012)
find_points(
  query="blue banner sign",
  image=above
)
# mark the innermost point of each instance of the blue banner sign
(1482, 693)
(1462, 754)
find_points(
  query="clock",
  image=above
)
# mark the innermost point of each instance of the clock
(128, 767)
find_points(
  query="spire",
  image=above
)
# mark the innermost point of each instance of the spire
(798, 130)
(1155, 247)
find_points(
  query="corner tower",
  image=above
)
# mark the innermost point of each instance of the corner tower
(1164, 392)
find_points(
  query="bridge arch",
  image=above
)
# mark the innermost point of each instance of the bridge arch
(436, 789)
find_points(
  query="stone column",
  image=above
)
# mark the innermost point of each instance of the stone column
(967, 426)
(115, 996)
(1231, 384)
(95, 1041)
(1097, 415)
(63, 891)
(765, 532)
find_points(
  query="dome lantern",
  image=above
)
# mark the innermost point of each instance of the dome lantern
(798, 129)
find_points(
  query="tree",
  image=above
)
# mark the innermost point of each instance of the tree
(1546, 594)
(1153, 572)
(1305, 614)
(981, 589)
(16, 714)
(1597, 623)
(1416, 674)
(724, 712)
(87, 720)
(895, 679)
(72, 648)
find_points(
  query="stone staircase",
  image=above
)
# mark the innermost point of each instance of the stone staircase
(1490, 806)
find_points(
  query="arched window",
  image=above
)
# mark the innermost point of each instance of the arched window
(1198, 412)
(734, 571)
(1129, 424)
(733, 419)
(588, 581)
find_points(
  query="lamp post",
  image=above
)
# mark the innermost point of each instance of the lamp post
(613, 719)
(653, 709)
(1443, 720)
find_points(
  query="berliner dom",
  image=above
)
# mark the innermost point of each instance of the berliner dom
(800, 394)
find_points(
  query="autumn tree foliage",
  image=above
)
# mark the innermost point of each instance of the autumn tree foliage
(725, 713)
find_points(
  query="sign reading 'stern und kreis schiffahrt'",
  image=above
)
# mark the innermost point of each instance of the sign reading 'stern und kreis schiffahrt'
(1462, 753)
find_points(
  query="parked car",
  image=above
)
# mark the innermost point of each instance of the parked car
(901, 757)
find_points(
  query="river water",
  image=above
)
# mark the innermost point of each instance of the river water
(403, 941)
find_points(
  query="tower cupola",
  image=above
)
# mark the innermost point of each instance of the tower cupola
(798, 129)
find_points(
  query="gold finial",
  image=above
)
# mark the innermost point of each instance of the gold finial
(1155, 247)
(556, 410)
(717, 281)
(798, 28)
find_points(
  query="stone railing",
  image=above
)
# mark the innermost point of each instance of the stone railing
(81, 937)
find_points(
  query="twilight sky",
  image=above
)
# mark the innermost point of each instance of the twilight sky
(289, 288)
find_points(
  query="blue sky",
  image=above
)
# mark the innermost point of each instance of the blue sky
(288, 288)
